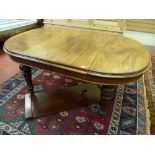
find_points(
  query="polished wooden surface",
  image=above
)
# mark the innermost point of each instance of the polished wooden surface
(80, 50)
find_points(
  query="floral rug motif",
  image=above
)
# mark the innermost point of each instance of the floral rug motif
(131, 112)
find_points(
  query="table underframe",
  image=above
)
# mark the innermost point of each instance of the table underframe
(45, 103)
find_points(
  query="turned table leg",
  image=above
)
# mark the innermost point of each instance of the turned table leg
(26, 72)
(107, 93)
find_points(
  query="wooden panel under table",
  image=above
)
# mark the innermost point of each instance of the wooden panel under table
(44, 103)
(85, 53)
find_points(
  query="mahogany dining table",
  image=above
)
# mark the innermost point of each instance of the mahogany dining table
(97, 58)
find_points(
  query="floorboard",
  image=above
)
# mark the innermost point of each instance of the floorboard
(7, 67)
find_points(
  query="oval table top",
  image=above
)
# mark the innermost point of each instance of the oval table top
(87, 51)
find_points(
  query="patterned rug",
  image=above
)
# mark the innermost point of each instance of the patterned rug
(128, 113)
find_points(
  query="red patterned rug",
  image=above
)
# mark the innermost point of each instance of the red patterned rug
(128, 113)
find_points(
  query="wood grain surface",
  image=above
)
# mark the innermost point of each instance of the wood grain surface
(89, 52)
(113, 25)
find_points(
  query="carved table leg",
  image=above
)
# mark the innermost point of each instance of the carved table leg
(26, 72)
(107, 93)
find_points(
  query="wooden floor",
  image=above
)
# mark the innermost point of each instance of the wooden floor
(8, 67)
